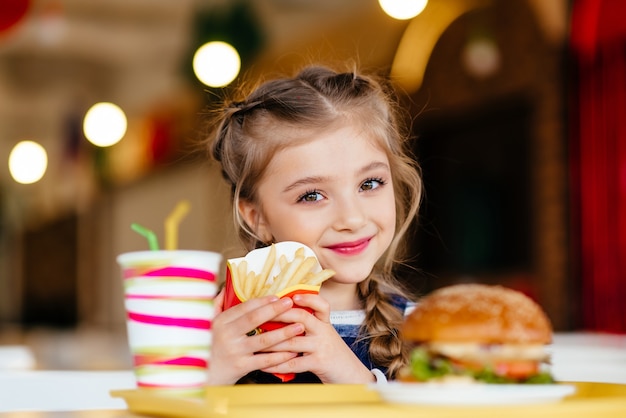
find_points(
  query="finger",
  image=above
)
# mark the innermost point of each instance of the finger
(245, 308)
(265, 361)
(298, 343)
(218, 302)
(319, 305)
(259, 314)
(301, 316)
(265, 341)
(294, 364)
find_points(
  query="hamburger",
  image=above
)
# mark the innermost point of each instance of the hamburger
(477, 333)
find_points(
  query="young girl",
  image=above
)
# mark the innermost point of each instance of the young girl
(320, 159)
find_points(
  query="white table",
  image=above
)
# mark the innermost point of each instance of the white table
(589, 357)
(51, 390)
(578, 357)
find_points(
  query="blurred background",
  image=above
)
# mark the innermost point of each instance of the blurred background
(517, 116)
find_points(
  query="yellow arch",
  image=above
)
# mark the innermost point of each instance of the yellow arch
(420, 37)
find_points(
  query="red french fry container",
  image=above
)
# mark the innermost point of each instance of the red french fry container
(234, 296)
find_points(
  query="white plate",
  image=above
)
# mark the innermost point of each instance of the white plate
(471, 394)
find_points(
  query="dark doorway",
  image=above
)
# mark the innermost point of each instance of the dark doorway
(475, 221)
(49, 294)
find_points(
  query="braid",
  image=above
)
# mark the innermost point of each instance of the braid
(382, 326)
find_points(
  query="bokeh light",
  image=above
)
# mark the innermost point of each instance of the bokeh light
(28, 162)
(216, 64)
(481, 57)
(105, 124)
(403, 9)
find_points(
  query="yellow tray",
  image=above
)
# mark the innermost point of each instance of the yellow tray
(329, 401)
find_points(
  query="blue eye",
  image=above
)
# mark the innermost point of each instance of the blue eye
(371, 184)
(310, 196)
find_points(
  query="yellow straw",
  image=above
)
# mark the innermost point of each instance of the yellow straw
(171, 224)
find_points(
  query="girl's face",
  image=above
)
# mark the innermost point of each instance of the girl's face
(334, 194)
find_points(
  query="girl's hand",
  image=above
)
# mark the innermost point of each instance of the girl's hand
(233, 352)
(323, 351)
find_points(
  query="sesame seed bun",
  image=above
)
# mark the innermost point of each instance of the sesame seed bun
(478, 313)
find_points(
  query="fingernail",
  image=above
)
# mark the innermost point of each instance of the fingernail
(285, 302)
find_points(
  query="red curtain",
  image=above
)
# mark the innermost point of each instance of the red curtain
(598, 39)
(12, 12)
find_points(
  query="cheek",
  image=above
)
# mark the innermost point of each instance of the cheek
(386, 210)
(386, 218)
(295, 227)
(390, 219)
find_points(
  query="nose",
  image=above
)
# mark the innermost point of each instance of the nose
(350, 213)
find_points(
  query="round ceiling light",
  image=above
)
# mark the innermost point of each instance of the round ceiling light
(216, 64)
(403, 9)
(28, 162)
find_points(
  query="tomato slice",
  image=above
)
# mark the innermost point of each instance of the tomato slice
(514, 369)
(517, 369)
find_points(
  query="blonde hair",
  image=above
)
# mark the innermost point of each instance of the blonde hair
(284, 112)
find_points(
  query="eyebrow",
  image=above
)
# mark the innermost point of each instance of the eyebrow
(375, 165)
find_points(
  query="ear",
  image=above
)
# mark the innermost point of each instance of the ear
(253, 216)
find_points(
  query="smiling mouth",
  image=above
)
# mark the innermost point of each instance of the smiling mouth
(350, 248)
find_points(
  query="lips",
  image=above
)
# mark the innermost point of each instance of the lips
(351, 248)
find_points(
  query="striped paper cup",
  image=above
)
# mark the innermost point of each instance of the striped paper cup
(169, 306)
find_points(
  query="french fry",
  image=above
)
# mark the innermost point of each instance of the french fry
(318, 278)
(264, 290)
(256, 280)
(286, 273)
(265, 272)
(282, 261)
(242, 270)
(241, 284)
(301, 272)
(249, 284)
(234, 275)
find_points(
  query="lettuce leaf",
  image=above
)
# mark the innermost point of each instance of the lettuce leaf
(425, 367)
